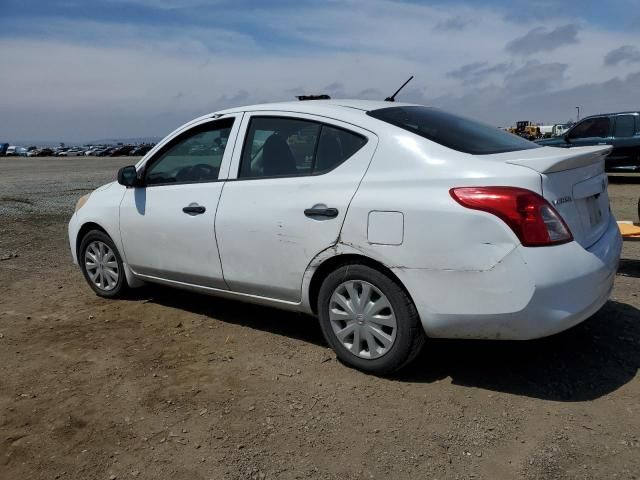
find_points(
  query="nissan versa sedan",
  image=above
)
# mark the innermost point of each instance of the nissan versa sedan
(391, 222)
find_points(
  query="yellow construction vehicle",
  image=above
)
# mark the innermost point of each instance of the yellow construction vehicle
(526, 129)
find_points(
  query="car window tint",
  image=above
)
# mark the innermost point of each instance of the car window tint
(335, 146)
(598, 127)
(625, 126)
(278, 146)
(194, 156)
(452, 131)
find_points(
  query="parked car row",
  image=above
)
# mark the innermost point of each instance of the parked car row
(7, 150)
(40, 152)
(87, 150)
(120, 150)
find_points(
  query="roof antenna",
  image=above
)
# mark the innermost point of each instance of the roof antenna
(392, 98)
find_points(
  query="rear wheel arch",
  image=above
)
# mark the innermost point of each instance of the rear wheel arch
(333, 263)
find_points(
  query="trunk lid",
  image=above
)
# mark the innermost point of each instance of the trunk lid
(574, 182)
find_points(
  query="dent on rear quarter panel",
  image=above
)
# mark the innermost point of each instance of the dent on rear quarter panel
(489, 304)
(412, 175)
(445, 237)
(449, 254)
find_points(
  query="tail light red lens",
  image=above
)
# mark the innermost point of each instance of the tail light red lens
(535, 222)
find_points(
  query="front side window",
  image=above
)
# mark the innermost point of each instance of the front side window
(194, 156)
(591, 128)
(452, 131)
(625, 126)
(279, 146)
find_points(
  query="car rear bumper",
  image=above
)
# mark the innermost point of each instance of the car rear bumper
(531, 293)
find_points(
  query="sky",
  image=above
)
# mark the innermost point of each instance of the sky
(82, 70)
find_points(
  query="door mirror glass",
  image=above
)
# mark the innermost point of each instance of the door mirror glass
(128, 176)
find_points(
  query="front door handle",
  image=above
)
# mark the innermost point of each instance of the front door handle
(321, 212)
(194, 209)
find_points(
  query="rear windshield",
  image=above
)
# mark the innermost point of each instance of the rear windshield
(452, 131)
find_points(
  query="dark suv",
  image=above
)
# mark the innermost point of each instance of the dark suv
(621, 130)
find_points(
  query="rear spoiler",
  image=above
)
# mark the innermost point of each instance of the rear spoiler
(553, 159)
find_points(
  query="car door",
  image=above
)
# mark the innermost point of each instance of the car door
(167, 224)
(289, 189)
(626, 142)
(591, 131)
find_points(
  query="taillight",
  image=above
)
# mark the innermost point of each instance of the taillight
(529, 215)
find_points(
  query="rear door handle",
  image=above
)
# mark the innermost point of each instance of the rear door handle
(194, 209)
(321, 212)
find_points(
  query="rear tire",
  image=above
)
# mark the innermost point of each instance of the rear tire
(369, 320)
(102, 265)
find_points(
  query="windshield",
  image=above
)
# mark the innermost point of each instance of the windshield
(452, 131)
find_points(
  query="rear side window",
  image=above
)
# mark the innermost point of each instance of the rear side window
(625, 126)
(284, 147)
(334, 147)
(452, 131)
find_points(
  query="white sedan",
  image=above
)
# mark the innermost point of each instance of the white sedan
(391, 222)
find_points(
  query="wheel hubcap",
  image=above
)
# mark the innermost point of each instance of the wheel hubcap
(362, 319)
(101, 265)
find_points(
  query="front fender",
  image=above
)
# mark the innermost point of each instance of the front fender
(101, 209)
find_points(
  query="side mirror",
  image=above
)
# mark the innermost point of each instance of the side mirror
(128, 176)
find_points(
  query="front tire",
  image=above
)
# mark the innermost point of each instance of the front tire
(369, 320)
(102, 265)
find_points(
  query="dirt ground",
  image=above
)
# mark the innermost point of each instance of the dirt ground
(174, 385)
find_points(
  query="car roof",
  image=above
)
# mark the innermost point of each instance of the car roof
(319, 106)
(630, 112)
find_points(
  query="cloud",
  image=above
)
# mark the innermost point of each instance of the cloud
(466, 70)
(167, 4)
(625, 53)
(453, 23)
(536, 77)
(477, 72)
(120, 75)
(371, 94)
(228, 101)
(334, 89)
(543, 40)
(499, 107)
